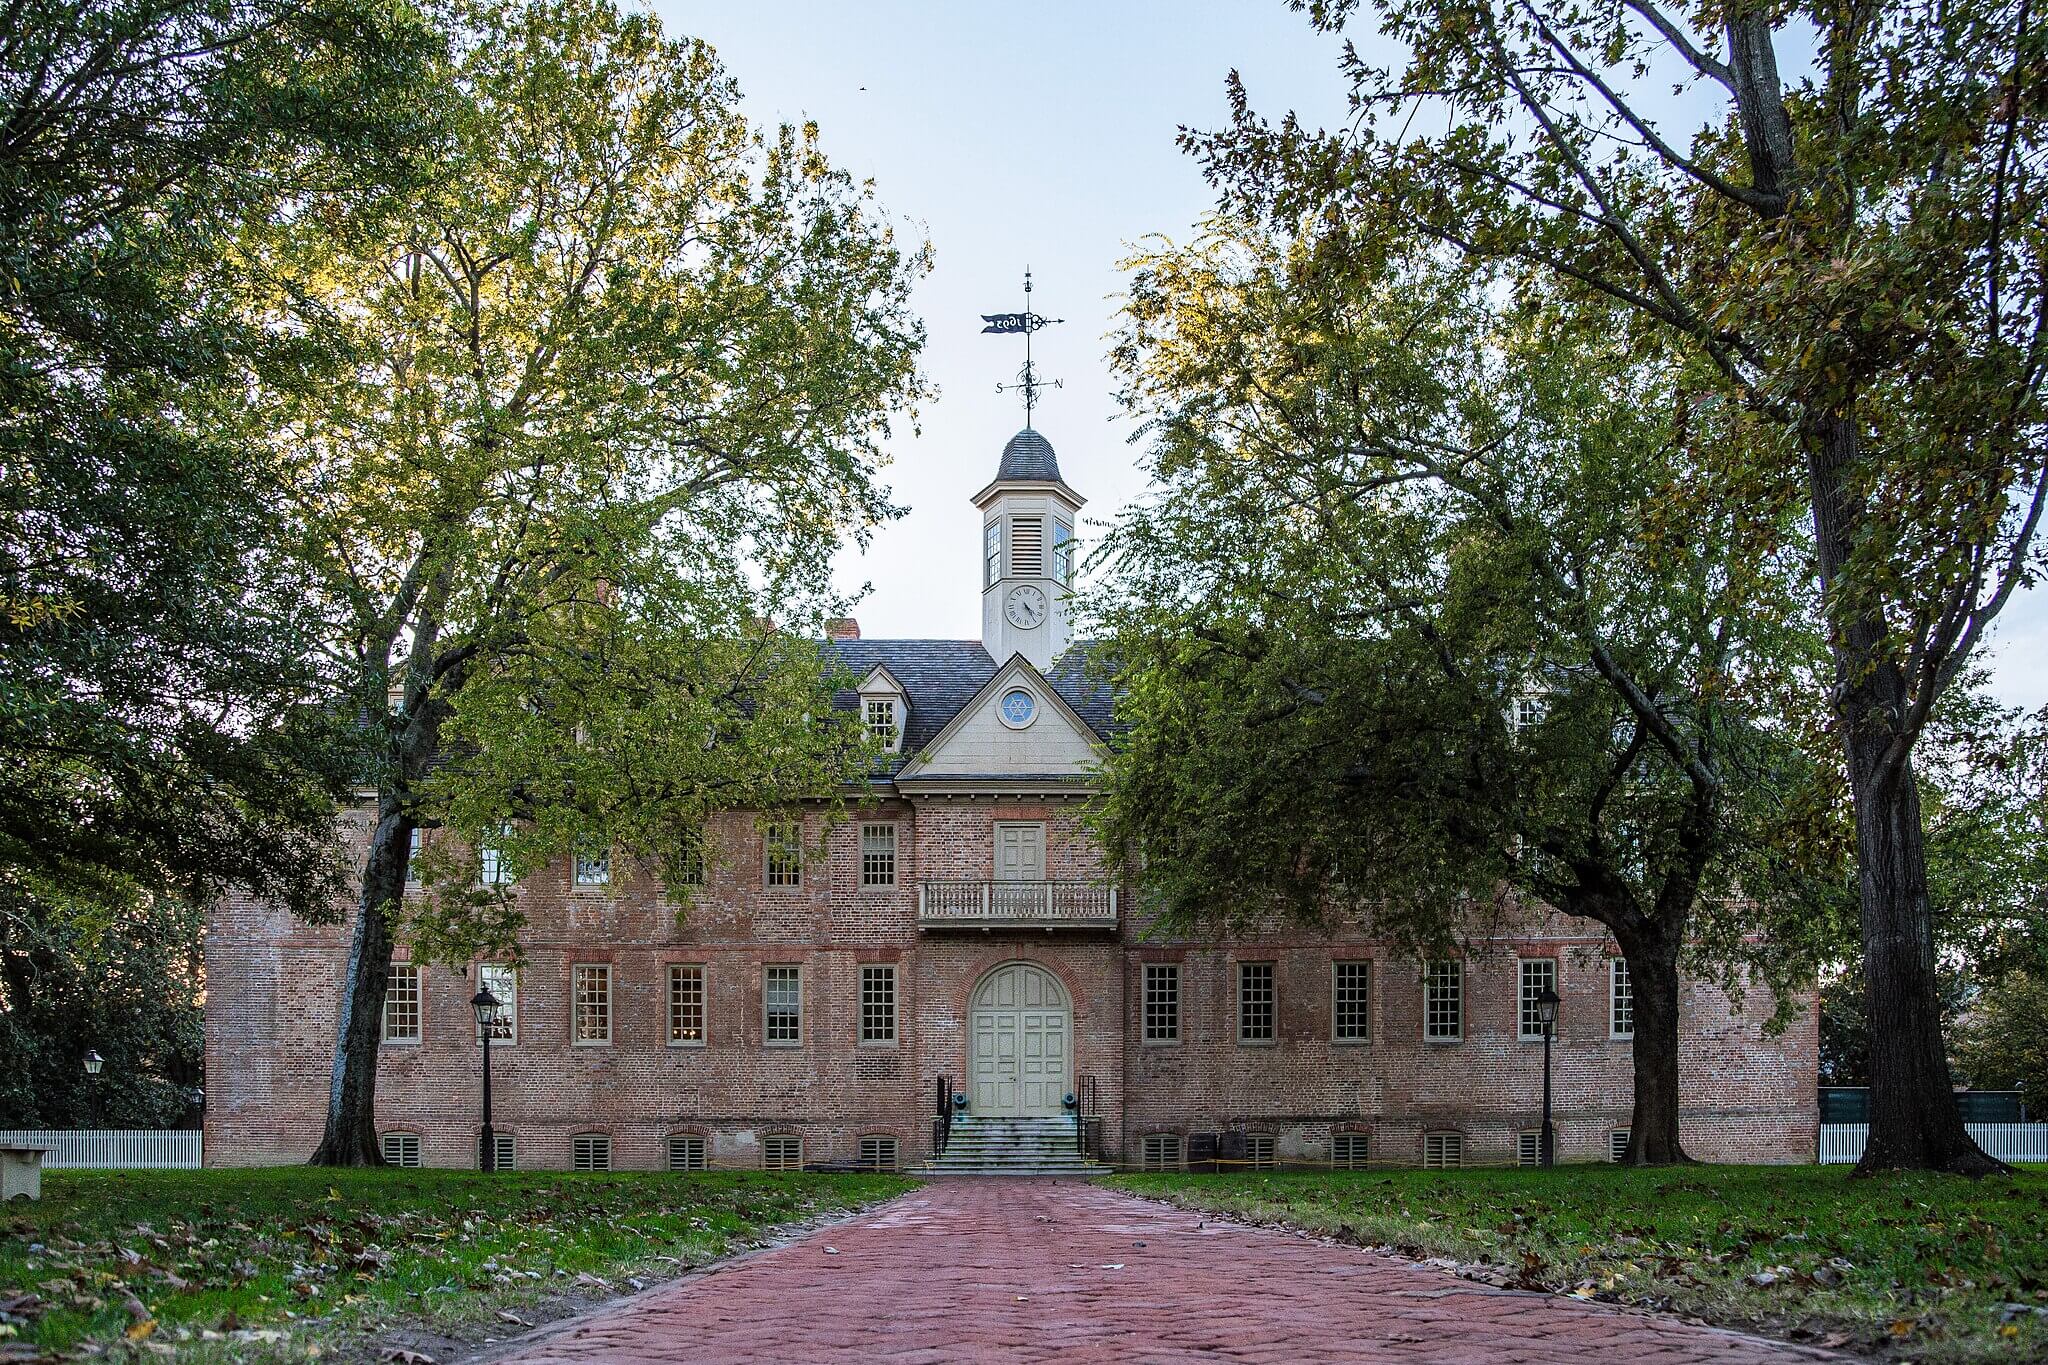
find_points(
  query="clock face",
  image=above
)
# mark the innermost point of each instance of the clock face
(1026, 607)
(1019, 706)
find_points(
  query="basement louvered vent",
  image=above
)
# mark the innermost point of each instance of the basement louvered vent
(1348, 1151)
(686, 1152)
(591, 1152)
(507, 1152)
(1160, 1152)
(782, 1152)
(1027, 547)
(878, 1153)
(1443, 1151)
(1529, 1147)
(1258, 1151)
(400, 1149)
(1617, 1145)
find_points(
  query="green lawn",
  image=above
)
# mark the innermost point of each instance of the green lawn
(289, 1261)
(1917, 1266)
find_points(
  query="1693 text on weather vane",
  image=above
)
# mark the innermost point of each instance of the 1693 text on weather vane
(1028, 383)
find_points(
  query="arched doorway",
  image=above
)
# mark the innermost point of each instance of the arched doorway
(1020, 1034)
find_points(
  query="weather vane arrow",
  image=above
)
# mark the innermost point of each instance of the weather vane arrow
(1028, 383)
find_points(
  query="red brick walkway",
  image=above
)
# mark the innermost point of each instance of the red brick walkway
(1045, 1270)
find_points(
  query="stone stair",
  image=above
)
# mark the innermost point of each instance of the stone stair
(1013, 1146)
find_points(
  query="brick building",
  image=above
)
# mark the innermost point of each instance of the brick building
(957, 926)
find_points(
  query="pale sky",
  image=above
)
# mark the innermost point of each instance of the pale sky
(1040, 134)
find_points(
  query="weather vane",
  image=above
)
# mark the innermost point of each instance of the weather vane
(1028, 383)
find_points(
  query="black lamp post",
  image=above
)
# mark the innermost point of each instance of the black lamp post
(489, 1010)
(1546, 1010)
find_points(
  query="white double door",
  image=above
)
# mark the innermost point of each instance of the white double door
(1021, 1024)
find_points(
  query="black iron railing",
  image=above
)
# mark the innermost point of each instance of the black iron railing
(942, 1117)
(1087, 1117)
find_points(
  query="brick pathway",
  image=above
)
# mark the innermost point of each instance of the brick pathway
(1062, 1270)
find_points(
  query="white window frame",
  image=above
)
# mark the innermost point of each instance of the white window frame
(1528, 1022)
(600, 974)
(413, 996)
(415, 843)
(772, 974)
(883, 717)
(399, 1148)
(1350, 1150)
(782, 1152)
(1439, 976)
(878, 844)
(1063, 546)
(489, 976)
(992, 553)
(689, 1152)
(491, 867)
(1159, 1003)
(1443, 1151)
(1270, 1006)
(1621, 1000)
(679, 999)
(692, 864)
(590, 1152)
(1359, 997)
(878, 1004)
(592, 867)
(782, 856)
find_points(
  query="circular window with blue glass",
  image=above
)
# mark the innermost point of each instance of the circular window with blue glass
(1019, 708)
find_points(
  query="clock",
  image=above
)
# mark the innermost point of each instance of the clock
(1019, 706)
(1026, 607)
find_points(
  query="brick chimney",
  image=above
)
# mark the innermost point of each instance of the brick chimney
(842, 628)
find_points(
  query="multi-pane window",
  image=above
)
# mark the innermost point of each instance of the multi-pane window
(402, 1004)
(782, 1152)
(784, 845)
(1255, 1002)
(1539, 974)
(590, 1152)
(782, 1005)
(504, 1149)
(878, 1153)
(878, 1004)
(881, 721)
(591, 999)
(493, 867)
(594, 867)
(1160, 1152)
(689, 863)
(1348, 1151)
(1351, 1001)
(1162, 1002)
(1258, 1151)
(1529, 1147)
(1063, 547)
(1621, 999)
(992, 554)
(1617, 1145)
(878, 855)
(502, 981)
(1525, 713)
(686, 1004)
(687, 1152)
(400, 1149)
(412, 857)
(1443, 1151)
(1443, 1001)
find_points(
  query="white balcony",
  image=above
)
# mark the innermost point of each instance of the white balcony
(1016, 905)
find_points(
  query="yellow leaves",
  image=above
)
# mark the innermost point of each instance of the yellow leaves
(139, 1330)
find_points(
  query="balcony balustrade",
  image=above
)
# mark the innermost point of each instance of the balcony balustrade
(1016, 905)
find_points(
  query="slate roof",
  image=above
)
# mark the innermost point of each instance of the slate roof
(1028, 456)
(942, 676)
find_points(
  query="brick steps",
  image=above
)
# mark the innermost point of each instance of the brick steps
(1013, 1146)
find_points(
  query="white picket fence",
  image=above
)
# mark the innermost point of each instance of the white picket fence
(110, 1148)
(1841, 1144)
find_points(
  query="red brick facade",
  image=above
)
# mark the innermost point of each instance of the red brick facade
(272, 990)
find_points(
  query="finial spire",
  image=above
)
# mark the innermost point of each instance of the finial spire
(1028, 383)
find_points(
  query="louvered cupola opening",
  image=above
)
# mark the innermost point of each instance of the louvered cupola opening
(1027, 547)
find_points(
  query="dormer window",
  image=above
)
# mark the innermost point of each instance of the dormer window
(884, 721)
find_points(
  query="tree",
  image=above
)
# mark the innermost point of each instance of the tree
(158, 716)
(2003, 1041)
(1853, 256)
(1415, 614)
(629, 363)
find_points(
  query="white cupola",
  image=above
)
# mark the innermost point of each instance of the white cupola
(1028, 553)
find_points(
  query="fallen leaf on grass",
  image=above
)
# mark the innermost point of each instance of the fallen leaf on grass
(507, 1315)
(138, 1330)
(405, 1355)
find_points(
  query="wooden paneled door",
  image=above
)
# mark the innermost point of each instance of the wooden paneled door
(1021, 1035)
(1020, 853)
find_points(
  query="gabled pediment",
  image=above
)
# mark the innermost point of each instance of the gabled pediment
(881, 682)
(997, 734)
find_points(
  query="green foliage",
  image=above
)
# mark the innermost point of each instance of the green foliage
(282, 1263)
(2002, 1043)
(1909, 1264)
(115, 976)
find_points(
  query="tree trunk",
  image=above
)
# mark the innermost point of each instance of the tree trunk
(1653, 979)
(1914, 1123)
(351, 1136)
